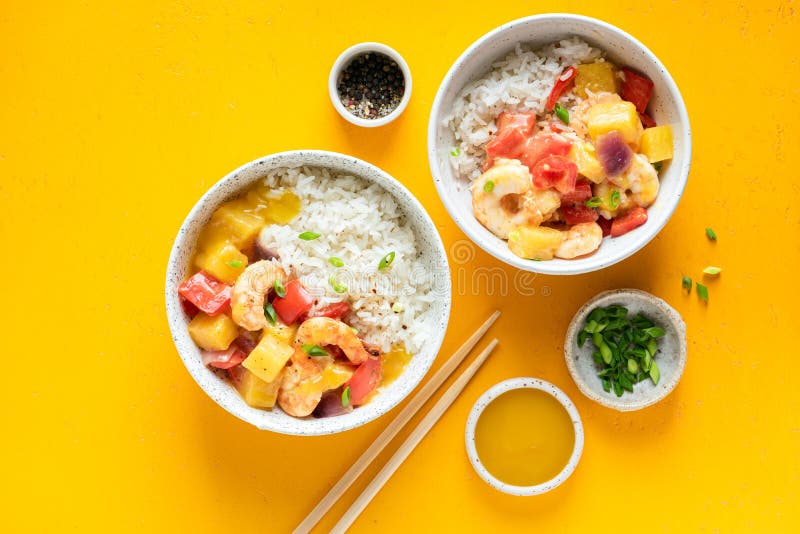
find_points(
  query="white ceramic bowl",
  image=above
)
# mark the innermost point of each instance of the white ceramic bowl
(666, 106)
(433, 257)
(341, 63)
(671, 356)
(494, 392)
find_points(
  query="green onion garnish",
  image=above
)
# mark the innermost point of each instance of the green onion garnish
(279, 289)
(686, 283)
(711, 235)
(308, 236)
(269, 312)
(236, 264)
(613, 201)
(386, 261)
(655, 374)
(314, 350)
(702, 291)
(562, 113)
(336, 262)
(339, 288)
(712, 270)
(488, 186)
(658, 165)
(455, 152)
(594, 202)
(346, 397)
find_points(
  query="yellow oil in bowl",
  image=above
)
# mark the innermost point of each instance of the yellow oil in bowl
(524, 437)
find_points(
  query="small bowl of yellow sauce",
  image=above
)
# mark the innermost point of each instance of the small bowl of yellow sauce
(524, 436)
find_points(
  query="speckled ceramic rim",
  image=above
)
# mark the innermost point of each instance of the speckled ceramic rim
(498, 248)
(344, 59)
(428, 241)
(494, 392)
(591, 386)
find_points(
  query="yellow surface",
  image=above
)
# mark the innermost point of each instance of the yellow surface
(115, 118)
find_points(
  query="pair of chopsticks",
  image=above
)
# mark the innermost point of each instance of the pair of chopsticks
(394, 427)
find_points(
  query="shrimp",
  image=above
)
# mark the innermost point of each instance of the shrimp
(293, 399)
(580, 239)
(250, 290)
(637, 187)
(326, 331)
(511, 200)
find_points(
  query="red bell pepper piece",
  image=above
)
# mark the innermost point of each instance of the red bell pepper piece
(636, 89)
(337, 310)
(295, 304)
(624, 224)
(562, 84)
(647, 120)
(581, 193)
(206, 292)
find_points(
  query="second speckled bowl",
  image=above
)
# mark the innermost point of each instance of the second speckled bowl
(671, 355)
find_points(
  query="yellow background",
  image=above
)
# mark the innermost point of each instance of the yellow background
(114, 119)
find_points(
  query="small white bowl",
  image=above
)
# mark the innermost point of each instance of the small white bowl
(494, 392)
(432, 256)
(344, 60)
(666, 106)
(671, 355)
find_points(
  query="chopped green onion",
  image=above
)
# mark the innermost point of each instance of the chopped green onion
(613, 201)
(654, 331)
(308, 236)
(712, 270)
(269, 312)
(339, 288)
(686, 283)
(346, 397)
(658, 165)
(314, 350)
(336, 262)
(236, 264)
(488, 186)
(537, 259)
(633, 367)
(655, 373)
(594, 202)
(562, 113)
(711, 235)
(455, 152)
(354, 329)
(398, 307)
(386, 261)
(279, 289)
(702, 291)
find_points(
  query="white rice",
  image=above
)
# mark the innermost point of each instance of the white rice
(358, 222)
(522, 81)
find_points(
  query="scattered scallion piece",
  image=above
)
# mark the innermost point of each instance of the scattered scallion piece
(702, 291)
(455, 152)
(712, 270)
(488, 186)
(562, 113)
(613, 201)
(711, 235)
(658, 165)
(346, 397)
(386, 261)
(686, 283)
(594, 202)
(279, 289)
(625, 347)
(309, 236)
(269, 313)
(314, 350)
(336, 262)
(235, 264)
(339, 288)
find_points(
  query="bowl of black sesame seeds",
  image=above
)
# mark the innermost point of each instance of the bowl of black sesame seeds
(370, 84)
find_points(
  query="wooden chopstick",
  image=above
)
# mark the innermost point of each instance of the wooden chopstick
(413, 439)
(393, 428)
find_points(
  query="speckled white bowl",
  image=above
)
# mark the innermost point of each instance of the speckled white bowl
(494, 392)
(671, 355)
(666, 106)
(432, 254)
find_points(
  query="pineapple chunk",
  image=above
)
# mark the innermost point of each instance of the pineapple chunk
(257, 393)
(534, 242)
(222, 260)
(621, 116)
(281, 332)
(584, 156)
(213, 333)
(268, 358)
(657, 143)
(242, 224)
(331, 377)
(597, 77)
